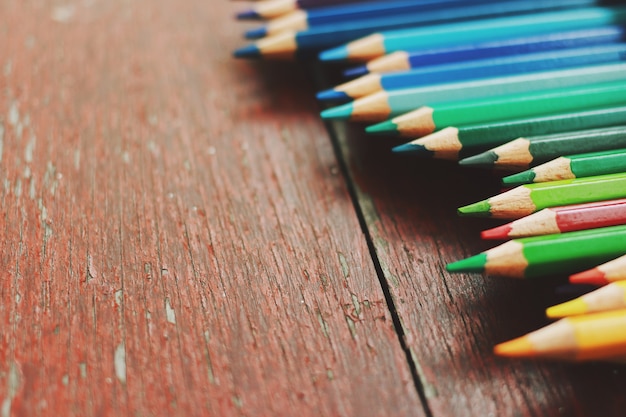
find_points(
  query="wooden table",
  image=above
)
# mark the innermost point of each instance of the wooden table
(183, 236)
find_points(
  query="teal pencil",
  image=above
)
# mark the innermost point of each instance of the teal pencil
(384, 104)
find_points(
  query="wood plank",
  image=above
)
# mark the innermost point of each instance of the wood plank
(451, 322)
(178, 238)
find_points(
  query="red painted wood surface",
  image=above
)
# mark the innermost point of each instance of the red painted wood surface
(177, 237)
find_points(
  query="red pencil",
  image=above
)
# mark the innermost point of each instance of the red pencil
(604, 274)
(563, 219)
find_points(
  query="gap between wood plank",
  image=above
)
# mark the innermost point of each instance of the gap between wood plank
(334, 136)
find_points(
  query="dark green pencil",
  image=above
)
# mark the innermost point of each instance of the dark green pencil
(522, 153)
(458, 142)
(572, 166)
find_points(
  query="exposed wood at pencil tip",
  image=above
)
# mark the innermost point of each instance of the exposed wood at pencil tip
(444, 143)
(512, 204)
(506, 260)
(557, 169)
(416, 123)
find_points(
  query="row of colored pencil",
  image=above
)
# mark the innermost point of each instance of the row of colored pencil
(533, 87)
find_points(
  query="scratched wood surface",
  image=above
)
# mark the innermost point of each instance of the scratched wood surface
(177, 236)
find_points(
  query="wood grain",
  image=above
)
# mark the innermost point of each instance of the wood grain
(177, 236)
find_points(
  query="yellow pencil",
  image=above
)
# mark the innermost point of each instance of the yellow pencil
(610, 297)
(590, 337)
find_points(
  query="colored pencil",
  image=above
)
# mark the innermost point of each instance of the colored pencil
(477, 69)
(302, 43)
(592, 337)
(572, 166)
(453, 143)
(536, 256)
(526, 199)
(562, 219)
(522, 153)
(274, 8)
(300, 19)
(608, 298)
(477, 30)
(428, 119)
(403, 60)
(612, 271)
(384, 104)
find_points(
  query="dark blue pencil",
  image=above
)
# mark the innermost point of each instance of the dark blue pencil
(401, 60)
(471, 70)
(290, 44)
(273, 8)
(308, 19)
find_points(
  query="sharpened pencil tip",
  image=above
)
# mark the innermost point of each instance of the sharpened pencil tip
(482, 209)
(516, 348)
(570, 308)
(339, 112)
(591, 276)
(248, 15)
(473, 264)
(332, 95)
(500, 232)
(248, 51)
(525, 177)
(482, 160)
(411, 149)
(336, 54)
(356, 71)
(256, 33)
(386, 127)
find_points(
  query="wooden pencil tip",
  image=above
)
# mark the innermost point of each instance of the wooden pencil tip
(525, 177)
(356, 71)
(500, 232)
(257, 33)
(340, 112)
(332, 95)
(516, 348)
(570, 308)
(473, 264)
(383, 128)
(481, 208)
(336, 54)
(591, 276)
(412, 149)
(482, 160)
(248, 51)
(248, 15)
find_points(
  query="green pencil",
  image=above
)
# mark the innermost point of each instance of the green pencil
(572, 166)
(522, 153)
(427, 119)
(527, 199)
(563, 253)
(453, 143)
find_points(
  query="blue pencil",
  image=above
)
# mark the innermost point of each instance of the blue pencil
(482, 68)
(274, 8)
(300, 43)
(482, 30)
(308, 19)
(403, 60)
